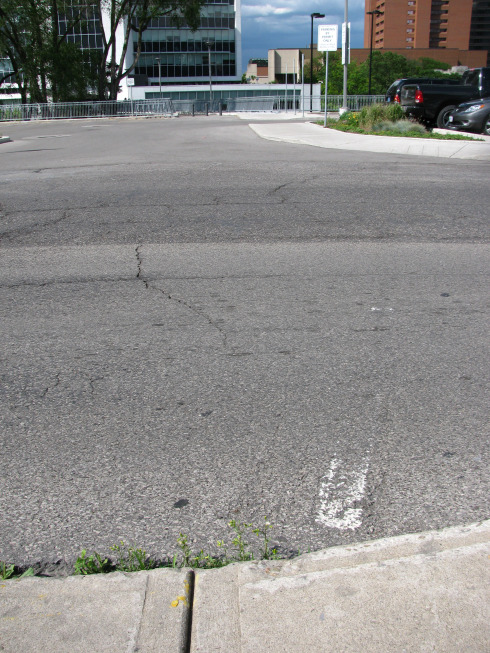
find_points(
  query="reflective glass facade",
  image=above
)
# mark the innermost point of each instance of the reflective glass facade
(86, 33)
(480, 27)
(172, 55)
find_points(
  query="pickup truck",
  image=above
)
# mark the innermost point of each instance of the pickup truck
(394, 91)
(432, 104)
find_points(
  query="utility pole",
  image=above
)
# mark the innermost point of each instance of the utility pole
(375, 12)
(315, 15)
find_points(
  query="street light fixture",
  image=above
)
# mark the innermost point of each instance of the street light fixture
(315, 15)
(375, 12)
(159, 62)
(208, 45)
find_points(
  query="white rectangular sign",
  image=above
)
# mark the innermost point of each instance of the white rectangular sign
(130, 81)
(327, 38)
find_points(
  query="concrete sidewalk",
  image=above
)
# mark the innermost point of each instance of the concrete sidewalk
(308, 133)
(420, 592)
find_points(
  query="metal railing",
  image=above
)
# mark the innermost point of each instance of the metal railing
(168, 107)
(335, 102)
(71, 110)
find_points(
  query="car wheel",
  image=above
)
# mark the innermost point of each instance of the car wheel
(442, 118)
(486, 126)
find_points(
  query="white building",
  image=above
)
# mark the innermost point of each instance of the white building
(172, 56)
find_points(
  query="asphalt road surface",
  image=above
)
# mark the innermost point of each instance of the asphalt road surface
(199, 325)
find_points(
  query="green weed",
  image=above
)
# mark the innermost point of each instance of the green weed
(200, 560)
(8, 571)
(239, 542)
(130, 559)
(263, 533)
(93, 564)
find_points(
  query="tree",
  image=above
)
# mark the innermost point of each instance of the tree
(385, 69)
(43, 61)
(46, 63)
(135, 16)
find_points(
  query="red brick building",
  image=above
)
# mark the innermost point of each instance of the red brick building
(428, 24)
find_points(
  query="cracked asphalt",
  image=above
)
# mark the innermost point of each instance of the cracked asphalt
(200, 325)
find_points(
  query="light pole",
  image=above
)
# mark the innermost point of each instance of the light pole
(315, 15)
(208, 45)
(159, 62)
(375, 12)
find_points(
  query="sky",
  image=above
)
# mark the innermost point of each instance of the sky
(277, 24)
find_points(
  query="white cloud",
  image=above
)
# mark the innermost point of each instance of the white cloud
(264, 10)
(287, 23)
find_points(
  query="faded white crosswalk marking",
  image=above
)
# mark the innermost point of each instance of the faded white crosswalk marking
(341, 491)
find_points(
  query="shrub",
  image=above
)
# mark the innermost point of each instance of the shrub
(378, 113)
(350, 119)
(400, 126)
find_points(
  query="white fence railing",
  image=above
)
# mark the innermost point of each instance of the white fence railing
(166, 106)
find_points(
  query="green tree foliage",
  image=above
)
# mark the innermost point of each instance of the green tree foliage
(47, 65)
(386, 67)
(137, 15)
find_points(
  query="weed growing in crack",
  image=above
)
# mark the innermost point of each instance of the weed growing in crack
(239, 542)
(200, 560)
(9, 571)
(128, 558)
(263, 533)
(92, 564)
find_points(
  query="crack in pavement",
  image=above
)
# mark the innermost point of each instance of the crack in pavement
(178, 300)
(51, 388)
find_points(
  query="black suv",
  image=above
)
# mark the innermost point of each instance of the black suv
(393, 94)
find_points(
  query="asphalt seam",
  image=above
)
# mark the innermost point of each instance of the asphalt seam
(136, 647)
(191, 577)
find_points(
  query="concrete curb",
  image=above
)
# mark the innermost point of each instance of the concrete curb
(307, 133)
(419, 592)
(145, 612)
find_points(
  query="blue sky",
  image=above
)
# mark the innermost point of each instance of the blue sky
(287, 24)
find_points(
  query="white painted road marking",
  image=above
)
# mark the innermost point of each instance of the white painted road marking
(340, 490)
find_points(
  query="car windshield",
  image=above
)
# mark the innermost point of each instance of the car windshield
(393, 87)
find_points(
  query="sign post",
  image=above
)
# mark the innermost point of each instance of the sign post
(130, 83)
(327, 42)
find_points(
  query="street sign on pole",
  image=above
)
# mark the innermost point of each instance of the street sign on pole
(327, 38)
(327, 42)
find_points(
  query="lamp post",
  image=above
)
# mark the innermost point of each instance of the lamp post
(375, 12)
(159, 62)
(208, 45)
(315, 15)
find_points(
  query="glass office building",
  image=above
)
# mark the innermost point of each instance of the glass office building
(480, 27)
(87, 33)
(180, 56)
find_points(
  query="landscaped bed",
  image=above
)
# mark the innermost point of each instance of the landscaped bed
(387, 120)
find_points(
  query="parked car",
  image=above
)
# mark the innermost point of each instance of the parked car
(393, 94)
(471, 116)
(431, 104)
